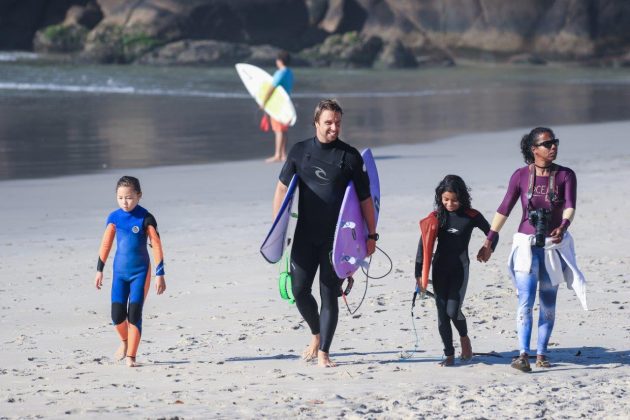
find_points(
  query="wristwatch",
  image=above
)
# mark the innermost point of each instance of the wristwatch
(374, 236)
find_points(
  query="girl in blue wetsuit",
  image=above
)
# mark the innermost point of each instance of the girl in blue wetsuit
(131, 225)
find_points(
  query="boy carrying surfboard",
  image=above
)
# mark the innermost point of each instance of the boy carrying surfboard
(282, 77)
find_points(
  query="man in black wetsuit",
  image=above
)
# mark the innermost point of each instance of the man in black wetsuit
(324, 165)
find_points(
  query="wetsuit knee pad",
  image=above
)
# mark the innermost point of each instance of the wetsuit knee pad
(135, 314)
(119, 313)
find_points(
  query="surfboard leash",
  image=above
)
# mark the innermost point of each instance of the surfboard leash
(349, 287)
(367, 277)
(391, 266)
(416, 345)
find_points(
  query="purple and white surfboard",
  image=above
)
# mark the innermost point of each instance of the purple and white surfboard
(349, 246)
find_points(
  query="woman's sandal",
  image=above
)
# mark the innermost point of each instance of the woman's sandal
(542, 362)
(521, 363)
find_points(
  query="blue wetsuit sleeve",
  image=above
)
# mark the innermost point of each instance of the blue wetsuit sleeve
(277, 78)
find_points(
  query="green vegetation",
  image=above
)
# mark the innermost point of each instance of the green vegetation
(63, 38)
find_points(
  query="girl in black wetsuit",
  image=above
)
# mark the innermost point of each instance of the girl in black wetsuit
(451, 224)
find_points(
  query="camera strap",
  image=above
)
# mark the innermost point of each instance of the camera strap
(551, 188)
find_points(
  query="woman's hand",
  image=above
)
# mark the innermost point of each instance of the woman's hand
(557, 234)
(98, 280)
(160, 284)
(485, 252)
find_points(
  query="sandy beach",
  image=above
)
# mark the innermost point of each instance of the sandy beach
(220, 343)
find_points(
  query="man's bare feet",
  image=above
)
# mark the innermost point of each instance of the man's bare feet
(467, 352)
(131, 361)
(121, 352)
(273, 159)
(310, 353)
(323, 360)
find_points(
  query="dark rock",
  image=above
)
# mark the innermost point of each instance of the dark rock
(585, 30)
(216, 53)
(60, 39)
(115, 44)
(396, 55)
(347, 50)
(343, 16)
(20, 19)
(316, 11)
(88, 16)
(527, 59)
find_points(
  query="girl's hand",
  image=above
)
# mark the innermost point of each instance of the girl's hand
(160, 285)
(98, 280)
(485, 252)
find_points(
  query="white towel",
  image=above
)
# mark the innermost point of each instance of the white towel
(520, 260)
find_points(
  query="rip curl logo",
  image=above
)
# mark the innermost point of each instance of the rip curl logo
(135, 229)
(321, 174)
(452, 230)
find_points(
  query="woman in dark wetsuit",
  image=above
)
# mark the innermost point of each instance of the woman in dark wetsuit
(548, 191)
(451, 224)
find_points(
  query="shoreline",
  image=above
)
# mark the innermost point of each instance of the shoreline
(221, 343)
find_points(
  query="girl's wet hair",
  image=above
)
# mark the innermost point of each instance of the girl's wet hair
(326, 104)
(129, 181)
(528, 140)
(456, 185)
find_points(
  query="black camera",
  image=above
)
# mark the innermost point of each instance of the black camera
(539, 219)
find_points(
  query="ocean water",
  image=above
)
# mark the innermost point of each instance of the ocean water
(72, 119)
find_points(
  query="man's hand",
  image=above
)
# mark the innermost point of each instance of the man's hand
(370, 246)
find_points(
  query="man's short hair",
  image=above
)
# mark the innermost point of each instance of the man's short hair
(326, 105)
(285, 57)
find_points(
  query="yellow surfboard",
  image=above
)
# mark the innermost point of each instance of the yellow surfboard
(257, 82)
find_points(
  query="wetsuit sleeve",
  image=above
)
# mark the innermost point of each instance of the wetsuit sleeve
(290, 166)
(481, 223)
(419, 256)
(360, 179)
(150, 225)
(278, 77)
(106, 246)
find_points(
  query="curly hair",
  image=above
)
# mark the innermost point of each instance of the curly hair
(454, 184)
(529, 140)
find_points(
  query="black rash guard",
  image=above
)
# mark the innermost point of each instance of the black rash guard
(450, 271)
(324, 170)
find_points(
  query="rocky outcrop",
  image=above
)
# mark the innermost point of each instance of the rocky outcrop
(354, 33)
(20, 19)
